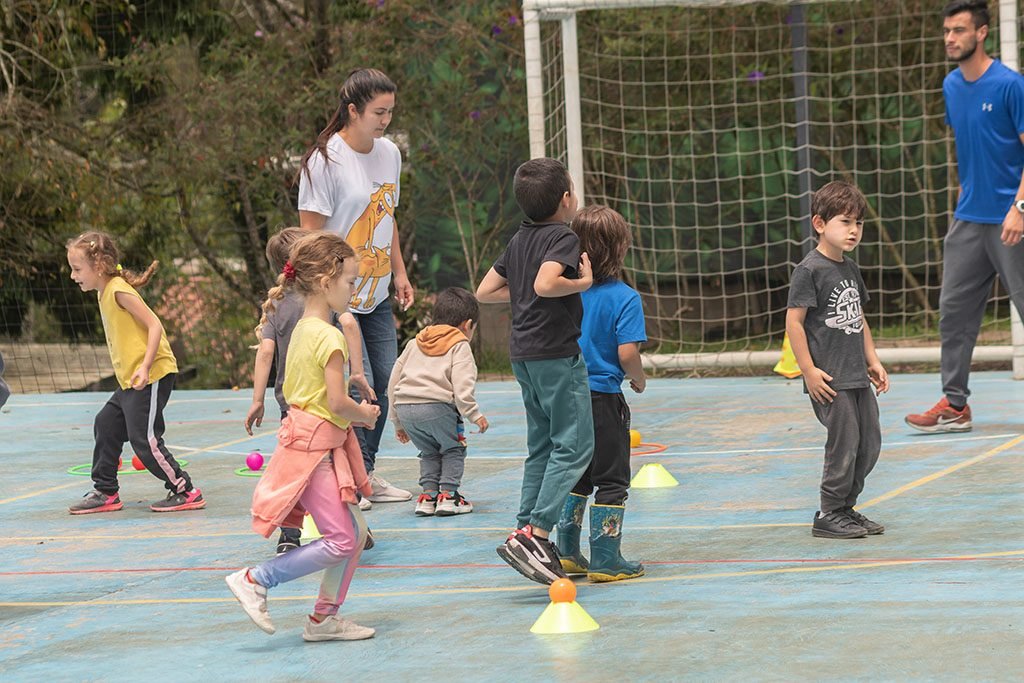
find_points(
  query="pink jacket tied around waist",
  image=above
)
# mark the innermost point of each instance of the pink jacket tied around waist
(302, 442)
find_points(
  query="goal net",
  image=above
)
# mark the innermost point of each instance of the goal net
(709, 124)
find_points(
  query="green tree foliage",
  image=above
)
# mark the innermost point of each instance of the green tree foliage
(177, 126)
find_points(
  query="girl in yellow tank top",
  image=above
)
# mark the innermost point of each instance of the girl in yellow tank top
(145, 369)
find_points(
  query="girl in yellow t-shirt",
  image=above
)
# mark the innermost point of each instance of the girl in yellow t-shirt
(322, 268)
(145, 369)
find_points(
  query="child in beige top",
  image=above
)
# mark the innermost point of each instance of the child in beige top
(431, 389)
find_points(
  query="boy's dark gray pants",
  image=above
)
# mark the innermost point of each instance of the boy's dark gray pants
(436, 429)
(973, 255)
(852, 447)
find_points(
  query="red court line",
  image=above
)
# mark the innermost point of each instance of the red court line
(858, 560)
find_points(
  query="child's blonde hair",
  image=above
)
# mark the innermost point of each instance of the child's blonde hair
(313, 259)
(103, 254)
(605, 237)
(280, 245)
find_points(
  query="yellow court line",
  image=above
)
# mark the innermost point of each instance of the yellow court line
(78, 483)
(39, 493)
(520, 589)
(941, 473)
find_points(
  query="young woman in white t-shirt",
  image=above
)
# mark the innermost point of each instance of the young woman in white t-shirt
(349, 185)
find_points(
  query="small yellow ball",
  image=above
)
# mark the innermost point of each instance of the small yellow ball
(634, 438)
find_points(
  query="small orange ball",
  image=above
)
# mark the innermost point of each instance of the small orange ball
(562, 590)
(634, 438)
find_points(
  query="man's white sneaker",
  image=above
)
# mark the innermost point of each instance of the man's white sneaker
(335, 628)
(364, 504)
(253, 598)
(384, 492)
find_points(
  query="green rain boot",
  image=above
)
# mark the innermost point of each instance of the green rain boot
(568, 539)
(606, 563)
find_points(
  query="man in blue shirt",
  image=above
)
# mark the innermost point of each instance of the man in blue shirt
(985, 108)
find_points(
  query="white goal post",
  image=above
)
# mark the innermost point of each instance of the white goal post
(592, 83)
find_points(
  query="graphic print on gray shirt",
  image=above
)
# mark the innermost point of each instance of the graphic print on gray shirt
(832, 292)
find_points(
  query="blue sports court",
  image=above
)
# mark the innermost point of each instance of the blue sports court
(736, 588)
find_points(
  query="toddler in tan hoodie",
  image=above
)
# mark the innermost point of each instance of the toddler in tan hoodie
(431, 391)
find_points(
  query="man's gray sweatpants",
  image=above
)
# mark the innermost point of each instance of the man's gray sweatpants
(852, 447)
(973, 255)
(436, 429)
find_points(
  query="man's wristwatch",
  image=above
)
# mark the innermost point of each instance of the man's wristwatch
(1019, 205)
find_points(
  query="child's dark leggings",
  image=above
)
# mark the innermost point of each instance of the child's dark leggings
(136, 417)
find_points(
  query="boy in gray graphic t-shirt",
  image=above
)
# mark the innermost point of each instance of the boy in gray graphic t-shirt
(836, 354)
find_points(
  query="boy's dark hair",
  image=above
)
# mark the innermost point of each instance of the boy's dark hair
(605, 237)
(837, 198)
(977, 8)
(279, 245)
(454, 306)
(539, 186)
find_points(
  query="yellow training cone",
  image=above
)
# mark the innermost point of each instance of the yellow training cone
(653, 476)
(309, 530)
(787, 366)
(563, 614)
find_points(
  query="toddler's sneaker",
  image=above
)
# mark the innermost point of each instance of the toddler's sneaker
(95, 501)
(426, 505)
(452, 503)
(253, 598)
(188, 500)
(941, 417)
(364, 503)
(534, 557)
(836, 524)
(873, 528)
(384, 492)
(289, 540)
(335, 628)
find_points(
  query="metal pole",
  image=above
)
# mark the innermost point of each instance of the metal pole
(1008, 54)
(534, 82)
(798, 37)
(573, 116)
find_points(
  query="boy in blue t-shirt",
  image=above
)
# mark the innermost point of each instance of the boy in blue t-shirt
(542, 273)
(612, 331)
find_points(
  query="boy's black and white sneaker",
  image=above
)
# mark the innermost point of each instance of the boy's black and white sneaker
(836, 524)
(369, 543)
(289, 540)
(873, 528)
(534, 557)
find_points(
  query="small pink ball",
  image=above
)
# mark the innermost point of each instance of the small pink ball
(254, 460)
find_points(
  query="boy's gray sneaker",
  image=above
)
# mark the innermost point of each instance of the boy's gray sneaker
(335, 628)
(836, 524)
(253, 598)
(873, 528)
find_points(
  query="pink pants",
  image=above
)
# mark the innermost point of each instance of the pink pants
(337, 552)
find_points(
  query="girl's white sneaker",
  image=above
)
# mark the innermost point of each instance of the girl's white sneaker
(335, 628)
(253, 598)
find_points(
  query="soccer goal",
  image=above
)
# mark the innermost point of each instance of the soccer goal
(709, 123)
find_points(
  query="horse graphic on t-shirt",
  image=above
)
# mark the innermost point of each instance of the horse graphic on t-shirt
(374, 262)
